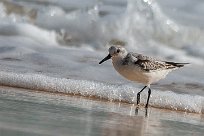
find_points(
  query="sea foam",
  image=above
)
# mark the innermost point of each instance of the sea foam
(123, 93)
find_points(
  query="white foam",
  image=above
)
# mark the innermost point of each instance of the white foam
(29, 31)
(125, 93)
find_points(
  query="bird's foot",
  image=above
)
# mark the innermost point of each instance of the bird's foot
(137, 109)
(138, 106)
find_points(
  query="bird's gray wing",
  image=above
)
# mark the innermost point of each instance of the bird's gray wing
(147, 63)
(142, 57)
(129, 59)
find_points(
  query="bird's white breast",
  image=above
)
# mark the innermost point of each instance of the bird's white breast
(134, 73)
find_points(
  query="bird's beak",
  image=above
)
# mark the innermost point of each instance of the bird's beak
(106, 58)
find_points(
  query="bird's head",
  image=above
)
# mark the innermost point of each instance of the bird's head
(115, 51)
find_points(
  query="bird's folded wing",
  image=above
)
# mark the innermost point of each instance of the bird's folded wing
(147, 63)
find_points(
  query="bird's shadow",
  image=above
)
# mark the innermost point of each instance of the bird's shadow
(137, 109)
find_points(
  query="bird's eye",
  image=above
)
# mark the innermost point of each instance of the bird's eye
(118, 50)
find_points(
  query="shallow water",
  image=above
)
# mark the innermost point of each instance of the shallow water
(27, 112)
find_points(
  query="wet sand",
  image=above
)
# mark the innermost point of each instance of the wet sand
(28, 112)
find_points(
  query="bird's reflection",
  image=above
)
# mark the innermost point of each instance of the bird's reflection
(137, 111)
(121, 125)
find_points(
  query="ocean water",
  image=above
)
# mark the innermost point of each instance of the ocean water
(55, 46)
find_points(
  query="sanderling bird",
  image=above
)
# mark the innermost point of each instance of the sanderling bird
(140, 68)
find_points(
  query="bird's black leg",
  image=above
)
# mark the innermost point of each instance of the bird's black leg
(146, 112)
(149, 93)
(138, 95)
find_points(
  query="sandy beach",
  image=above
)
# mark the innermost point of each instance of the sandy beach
(28, 112)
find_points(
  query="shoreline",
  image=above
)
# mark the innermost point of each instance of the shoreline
(108, 117)
(96, 98)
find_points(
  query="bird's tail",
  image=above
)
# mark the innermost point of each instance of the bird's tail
(177, 64)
